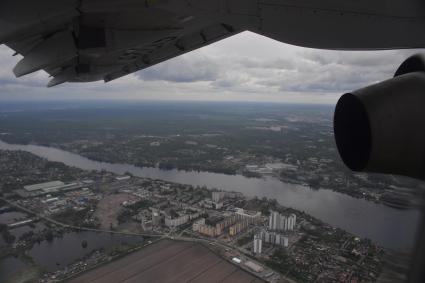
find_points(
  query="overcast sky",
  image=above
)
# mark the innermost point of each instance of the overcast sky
(246, 67)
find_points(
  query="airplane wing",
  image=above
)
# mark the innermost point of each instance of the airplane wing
(90, 40)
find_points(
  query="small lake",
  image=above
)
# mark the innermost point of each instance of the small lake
(389, 227)
(65, 250)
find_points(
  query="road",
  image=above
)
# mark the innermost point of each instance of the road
(51, 220)
(206, 241)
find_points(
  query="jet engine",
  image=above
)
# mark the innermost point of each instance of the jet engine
(381, 128)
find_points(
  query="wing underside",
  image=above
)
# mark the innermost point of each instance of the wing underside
(95, 41)
(90, 40)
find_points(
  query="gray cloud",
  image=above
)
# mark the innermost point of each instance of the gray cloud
(278, 63)
(244, 67)
(319, 71)
(183, 69)
(366, 59)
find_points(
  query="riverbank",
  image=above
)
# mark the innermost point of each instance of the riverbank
(391, 228)
(240, 170)
(342, 181)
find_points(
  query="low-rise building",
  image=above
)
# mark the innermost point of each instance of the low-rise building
(253, 266)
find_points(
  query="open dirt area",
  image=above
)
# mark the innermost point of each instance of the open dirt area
(108, 208)
(168, 261)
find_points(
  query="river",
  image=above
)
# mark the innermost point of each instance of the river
(389, 227)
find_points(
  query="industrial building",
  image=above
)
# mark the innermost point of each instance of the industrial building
(47, 188)
(44, 186)
(123, 178)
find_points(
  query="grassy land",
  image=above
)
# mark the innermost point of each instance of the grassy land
(26, 275)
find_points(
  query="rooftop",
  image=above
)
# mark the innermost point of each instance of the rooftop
(41, 186)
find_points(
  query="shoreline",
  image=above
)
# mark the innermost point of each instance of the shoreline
(239, 172)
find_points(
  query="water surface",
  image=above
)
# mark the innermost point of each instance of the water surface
(68, 249)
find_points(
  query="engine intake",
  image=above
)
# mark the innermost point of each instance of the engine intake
(381, 128)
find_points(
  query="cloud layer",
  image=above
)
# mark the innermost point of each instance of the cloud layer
(246, 67)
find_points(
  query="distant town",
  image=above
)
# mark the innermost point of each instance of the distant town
(271, 242)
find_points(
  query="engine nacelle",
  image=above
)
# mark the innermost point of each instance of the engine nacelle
(381, 128)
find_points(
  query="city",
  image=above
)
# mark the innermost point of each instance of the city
(271, 242)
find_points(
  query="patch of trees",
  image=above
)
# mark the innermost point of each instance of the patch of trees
(71, 217)
(8, 238)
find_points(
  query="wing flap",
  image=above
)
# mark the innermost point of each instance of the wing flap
(182, 45)
(62, 77)
(51, 52)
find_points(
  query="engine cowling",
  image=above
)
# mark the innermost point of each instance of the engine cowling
(381, 128)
